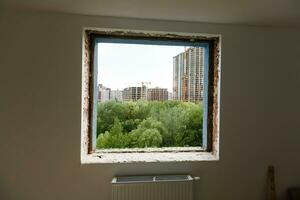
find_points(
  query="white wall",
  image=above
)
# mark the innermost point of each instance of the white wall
(40, 86)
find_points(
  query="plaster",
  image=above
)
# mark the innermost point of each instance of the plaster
(41, 80)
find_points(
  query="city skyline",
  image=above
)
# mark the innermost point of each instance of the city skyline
(125, 65)
(135, 85)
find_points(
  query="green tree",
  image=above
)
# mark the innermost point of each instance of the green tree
(149, 124)
(113, 138)
(141, 138)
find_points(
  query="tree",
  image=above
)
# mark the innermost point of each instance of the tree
(149, 124)
(150, 138)
(141, 138)
(113, 138)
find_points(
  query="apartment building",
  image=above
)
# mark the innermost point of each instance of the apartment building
(157, 94)
(103, 93)
(135, 93)
(188, 69)
(116, 95)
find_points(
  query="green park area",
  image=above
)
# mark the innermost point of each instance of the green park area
(149, 124)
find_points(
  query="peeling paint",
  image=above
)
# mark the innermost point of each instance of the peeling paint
(85, 95)
(216, 98)
(151, 35)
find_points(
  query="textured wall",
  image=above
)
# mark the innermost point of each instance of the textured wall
(40, 84)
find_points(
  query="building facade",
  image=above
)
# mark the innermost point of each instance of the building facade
(135, 93)
(188, 71)
(170, 96)
(103, 93)
(116, 95)
(157, 94)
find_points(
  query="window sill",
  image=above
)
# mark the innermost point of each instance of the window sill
(147, 157)
(151, 150)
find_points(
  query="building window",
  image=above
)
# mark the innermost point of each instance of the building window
(150, 96)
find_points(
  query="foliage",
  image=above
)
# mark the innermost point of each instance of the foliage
(149, 124)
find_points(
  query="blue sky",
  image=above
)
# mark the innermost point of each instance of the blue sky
(122, 65)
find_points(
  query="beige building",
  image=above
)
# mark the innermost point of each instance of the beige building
(188, 69)
(103, 93)
(157, 94)
(135, 93)
(116, 95)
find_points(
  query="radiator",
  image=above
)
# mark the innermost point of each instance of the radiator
(163, 187)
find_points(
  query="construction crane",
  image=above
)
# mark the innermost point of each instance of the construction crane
(145, 83)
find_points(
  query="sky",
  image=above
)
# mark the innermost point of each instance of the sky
(124, 65)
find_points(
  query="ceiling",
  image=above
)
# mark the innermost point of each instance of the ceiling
(248, 12)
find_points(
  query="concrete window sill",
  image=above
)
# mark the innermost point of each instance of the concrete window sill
(109, 157)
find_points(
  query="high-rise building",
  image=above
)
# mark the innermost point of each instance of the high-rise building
(157, 94)
(103, 93)
(188, 79)
(170, 96)
(135, 93)
(116, 95)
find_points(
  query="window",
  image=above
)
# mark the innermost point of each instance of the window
(150, 96)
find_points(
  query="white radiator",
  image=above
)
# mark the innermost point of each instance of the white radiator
(164, 187)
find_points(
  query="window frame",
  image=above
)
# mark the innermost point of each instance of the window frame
(210, 137)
